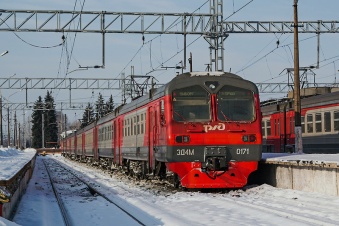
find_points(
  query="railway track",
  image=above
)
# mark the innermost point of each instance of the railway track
(254, 204)
(70, 190)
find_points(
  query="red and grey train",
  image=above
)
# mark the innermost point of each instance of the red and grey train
(319, 122)
(200, 130)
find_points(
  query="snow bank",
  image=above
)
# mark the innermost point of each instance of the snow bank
(13, 160)
(315, 159)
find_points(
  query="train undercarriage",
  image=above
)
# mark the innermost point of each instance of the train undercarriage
(214, 169)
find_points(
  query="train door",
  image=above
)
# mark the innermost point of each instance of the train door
(281, 128)
(111, 145)
(115, 143)
(75, 145)
(119, 140)
(83, 144)
(152, 119)
(95, 143)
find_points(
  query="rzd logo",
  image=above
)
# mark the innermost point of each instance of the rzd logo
(220, 126)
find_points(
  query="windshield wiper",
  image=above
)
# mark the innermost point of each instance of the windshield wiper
(226, 118)
(178, 114)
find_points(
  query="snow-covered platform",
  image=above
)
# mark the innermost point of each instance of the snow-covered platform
(305, 172)
(16, 168)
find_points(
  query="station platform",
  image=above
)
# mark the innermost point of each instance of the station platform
(305, 172)
(16, 168)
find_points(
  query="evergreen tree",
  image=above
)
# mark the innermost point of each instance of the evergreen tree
(37, 123)
(100, 107)
(88, 116)
(50, 122)
(109, 105)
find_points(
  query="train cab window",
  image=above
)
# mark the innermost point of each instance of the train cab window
(235, 104)
(309, 123)
(318, 123)
(327, 122)
(336, 120)
(191, 104)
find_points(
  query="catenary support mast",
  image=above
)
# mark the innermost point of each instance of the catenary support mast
(297, 104)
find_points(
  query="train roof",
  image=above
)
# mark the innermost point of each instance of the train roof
(198, 77)
(182, 80)
(178, 81)
(272, 106)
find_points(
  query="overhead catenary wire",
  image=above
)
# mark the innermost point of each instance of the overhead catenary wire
(65, 49)
(30, 44)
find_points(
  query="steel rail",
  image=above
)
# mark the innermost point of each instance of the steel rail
(60, 203)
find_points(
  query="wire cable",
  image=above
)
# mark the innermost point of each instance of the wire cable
(30, 44)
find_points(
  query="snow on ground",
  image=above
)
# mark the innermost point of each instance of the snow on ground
(314, 158)
(255, 205)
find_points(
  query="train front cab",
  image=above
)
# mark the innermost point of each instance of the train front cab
(214, 131)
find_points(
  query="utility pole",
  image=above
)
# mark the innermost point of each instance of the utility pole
(65, 125)
(1, 139)
(297, 104)
(19, 134)
(23, 129)
(42, 129)
(15, 134)
(9, 128)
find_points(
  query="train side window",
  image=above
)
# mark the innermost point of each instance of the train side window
(263, 129)
(145, 124)
(128, 128)
(303, 124)
(134, 126)
(309, 123)
(138, 125)
(268, 127)
(327, 122)
(318, 123)
(336, 120)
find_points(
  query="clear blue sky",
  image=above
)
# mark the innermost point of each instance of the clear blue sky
(241, 50)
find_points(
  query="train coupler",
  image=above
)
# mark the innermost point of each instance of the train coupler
(215, 159)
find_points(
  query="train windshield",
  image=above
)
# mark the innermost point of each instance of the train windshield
(235, 104)
(191, 104)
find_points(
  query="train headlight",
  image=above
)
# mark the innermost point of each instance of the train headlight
(186, 139)
(253, 138)
(249, 138)
(182, 139)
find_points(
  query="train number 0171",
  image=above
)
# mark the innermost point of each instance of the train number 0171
(243, 151)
